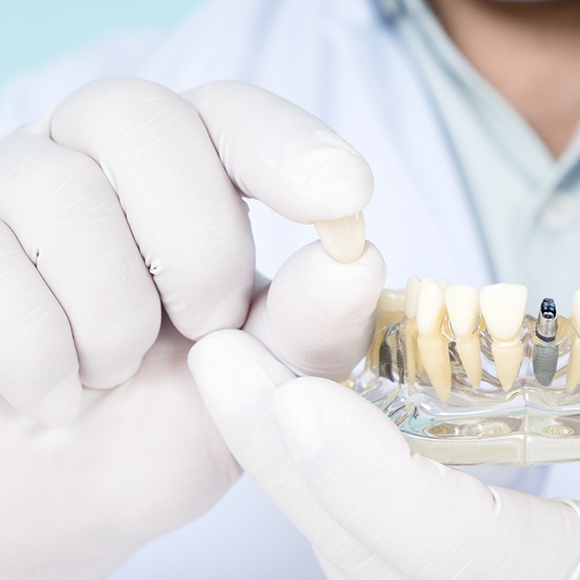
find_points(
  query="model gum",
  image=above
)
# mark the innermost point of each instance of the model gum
(343, 239)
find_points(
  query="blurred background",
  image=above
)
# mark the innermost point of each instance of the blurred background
(34, 32)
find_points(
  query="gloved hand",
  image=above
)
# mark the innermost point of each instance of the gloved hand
(344, 475)
(116, 199)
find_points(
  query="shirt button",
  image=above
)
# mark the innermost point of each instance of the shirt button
(560, 212)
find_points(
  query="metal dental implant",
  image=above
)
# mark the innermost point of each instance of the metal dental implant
(545, 356)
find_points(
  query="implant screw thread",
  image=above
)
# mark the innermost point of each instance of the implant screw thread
(545, 355)
(400, 360)
(385, 359)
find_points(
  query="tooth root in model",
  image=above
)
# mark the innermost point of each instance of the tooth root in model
(411, 292)
(462, 303)
(508, 361)
(432, 343)
(503, 307)
(573, 372)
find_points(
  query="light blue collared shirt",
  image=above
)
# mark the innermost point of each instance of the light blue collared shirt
(527, 203)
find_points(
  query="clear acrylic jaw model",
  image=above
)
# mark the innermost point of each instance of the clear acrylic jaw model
(475, 395)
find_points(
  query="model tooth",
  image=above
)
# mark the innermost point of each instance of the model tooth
(432, 344)
(470, 352)
(508, 360)
(344, 239)
(442, 283)
(503, 307)
(390, 307)
(573, 371)
(575, 312)
(462, 303)
(430, 307)
(411, 293)
(434, 352)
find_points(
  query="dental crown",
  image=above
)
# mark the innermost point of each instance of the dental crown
(469, 378)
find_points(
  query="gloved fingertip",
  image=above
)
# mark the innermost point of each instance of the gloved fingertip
(205, 353)
(218, 312)
(302, 415)
(111, 380)
(62, 403)
(233, 371)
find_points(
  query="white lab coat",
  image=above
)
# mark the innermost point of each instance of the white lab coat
(344, 63)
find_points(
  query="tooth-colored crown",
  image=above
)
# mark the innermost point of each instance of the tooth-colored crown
(430, 306)
(462, 303)
(391, 301)
(411, 297)
(343, 239)
(503, 307)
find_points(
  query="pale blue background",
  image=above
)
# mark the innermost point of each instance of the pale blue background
(33, 32)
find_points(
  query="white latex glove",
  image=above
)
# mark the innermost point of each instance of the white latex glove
(344, 475)
(117, 197)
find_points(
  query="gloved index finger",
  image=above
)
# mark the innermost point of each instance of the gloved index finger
(282, 155)
(188, 220)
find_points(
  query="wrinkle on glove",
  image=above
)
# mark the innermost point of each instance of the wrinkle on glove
(37, 340)
(190, 224)
(329, 570)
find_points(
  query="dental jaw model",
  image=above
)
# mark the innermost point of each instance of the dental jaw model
(470, 379)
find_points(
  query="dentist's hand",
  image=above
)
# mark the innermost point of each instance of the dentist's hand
(119, 198)
(125, 197)
(344, 475)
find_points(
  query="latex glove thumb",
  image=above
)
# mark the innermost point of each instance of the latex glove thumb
(318, 315)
